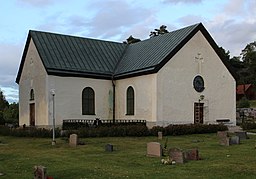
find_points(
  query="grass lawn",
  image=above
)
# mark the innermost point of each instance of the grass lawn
(18, 156)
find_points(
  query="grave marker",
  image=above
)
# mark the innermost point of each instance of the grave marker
(109, 148)
(242, 135)
(177, 155)
(160, 135)
(40, 172)
(154, 149)
(73, 140)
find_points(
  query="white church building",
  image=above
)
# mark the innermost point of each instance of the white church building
(179, 77)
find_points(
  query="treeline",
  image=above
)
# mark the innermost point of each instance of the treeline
(245, 64)
(9, 113)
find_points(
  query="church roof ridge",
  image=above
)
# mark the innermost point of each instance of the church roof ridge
(67, 55)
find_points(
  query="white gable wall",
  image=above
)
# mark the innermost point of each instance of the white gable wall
(68, 98)
(176, 95)
(33, 77)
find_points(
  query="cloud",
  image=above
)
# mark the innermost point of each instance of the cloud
(234, 26)
(36, 3)
(190, 19)
(110, 20)
(183, 1)
(9, 60)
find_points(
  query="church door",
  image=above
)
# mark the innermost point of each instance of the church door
(32, 114)
(198, 113)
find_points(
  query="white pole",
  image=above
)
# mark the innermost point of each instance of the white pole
(53, 118)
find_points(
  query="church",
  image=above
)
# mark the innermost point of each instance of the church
(179, 77)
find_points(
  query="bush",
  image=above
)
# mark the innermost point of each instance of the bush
(28, 132)
(185, 129)
(243, 103)
(248, 125)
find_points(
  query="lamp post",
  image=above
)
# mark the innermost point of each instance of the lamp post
(53, 117)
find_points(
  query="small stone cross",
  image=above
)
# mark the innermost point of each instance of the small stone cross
(200, 60)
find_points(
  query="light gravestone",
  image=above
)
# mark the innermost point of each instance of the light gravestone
(73, 140)
(160, 135)
(40, 172)
(223, 138)
(177, 155)
(154, 149)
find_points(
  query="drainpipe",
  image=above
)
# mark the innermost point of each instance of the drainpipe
(114, 100)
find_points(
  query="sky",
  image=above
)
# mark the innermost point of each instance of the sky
(232, 24)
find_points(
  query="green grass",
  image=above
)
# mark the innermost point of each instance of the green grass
(18, 156)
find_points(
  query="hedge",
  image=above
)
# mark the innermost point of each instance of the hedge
(133, 130)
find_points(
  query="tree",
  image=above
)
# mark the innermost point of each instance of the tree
(11, 114)
(3, 106)
(131, 40)
(248, 73)
(160, 31)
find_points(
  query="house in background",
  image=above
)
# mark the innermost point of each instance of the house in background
(246, 90)
(176, 78)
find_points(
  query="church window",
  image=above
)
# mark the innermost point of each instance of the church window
(32, 95)
(130, 101)
(198, 83)
(88, 101)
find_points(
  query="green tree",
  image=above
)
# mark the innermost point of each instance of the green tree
(3, 106)
(248, 73)
(160, 31)
(11, 114)
(131, 40)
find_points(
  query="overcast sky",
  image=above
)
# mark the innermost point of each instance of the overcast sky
(232, 23)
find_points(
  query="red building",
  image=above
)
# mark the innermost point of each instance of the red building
(245, 90)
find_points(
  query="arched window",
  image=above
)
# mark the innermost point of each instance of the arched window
(88, 101)
(32, 95)
(130, 101)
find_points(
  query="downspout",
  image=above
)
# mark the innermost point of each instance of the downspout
(114, 99)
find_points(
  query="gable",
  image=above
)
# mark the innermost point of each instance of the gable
(65, 55)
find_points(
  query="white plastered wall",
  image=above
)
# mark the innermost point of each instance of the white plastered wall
(145, 97)
(34, 77)
(176, 95)
(68, 98)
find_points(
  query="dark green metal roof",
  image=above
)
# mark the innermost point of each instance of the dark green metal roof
(65, 55)
(69, 54)
(149, 53)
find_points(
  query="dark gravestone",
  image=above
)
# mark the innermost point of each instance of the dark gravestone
(109, 148)
(192, 154)
(177, 155)
(234, 140)
(40, 172)
(242, 135)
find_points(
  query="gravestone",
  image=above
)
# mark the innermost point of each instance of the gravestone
(73, 140)
(109, 148)
(160, 135)
(154, 149)
(177, 155)
(192, 154)
(223, 138)
(242, 135)
(234, 140)
(40, 172)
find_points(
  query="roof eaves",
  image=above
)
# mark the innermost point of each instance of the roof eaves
(79, 74)
(23, 58)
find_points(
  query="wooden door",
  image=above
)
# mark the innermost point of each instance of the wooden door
(32, 114)
(198, 113)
